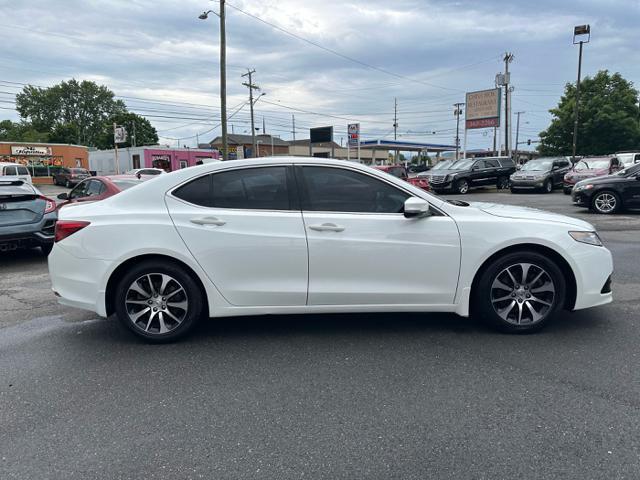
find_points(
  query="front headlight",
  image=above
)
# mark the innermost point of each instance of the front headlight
(590, 238)
(587, 186)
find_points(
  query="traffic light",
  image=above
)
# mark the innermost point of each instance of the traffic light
(529, 142)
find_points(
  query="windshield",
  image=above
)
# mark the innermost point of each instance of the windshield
(631, 170)
(79, 170)
(537, 166)
(124, 184)
(592, 164)
(463, 164)
(443, 164)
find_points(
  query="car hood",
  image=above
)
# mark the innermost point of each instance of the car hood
(592, 172)
(603, 179)
(526, 213)
(530, 173)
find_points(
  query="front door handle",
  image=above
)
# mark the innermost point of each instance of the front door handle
(327, 227)
(208, 221)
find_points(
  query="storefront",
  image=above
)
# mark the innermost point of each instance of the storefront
(44, 159)
(103, 162)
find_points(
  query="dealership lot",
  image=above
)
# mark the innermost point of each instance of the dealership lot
(406, 396)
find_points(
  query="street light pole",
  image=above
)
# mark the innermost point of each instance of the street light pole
(223, 76)
(517, 135)
(577, 31)
(457, 113)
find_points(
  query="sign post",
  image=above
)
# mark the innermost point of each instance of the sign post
(353, 138)
(119, 136)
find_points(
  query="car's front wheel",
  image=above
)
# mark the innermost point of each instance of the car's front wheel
(158, 301)
(462, 186)
(548, 186)
(606, 202)
(520, 292)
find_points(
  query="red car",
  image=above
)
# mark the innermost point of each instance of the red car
(98, 188)
(401, 172)
(588, 168)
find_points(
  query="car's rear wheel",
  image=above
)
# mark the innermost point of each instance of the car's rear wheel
(159, 302)
(548, 186)
(462, 186)
(520, 292)
(606, 202)
(567, 191)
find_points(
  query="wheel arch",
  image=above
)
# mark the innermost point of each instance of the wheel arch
(121, 270)
(569, 275)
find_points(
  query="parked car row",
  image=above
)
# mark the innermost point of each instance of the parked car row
(468, 173)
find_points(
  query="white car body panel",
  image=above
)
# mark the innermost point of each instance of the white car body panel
(379, 263)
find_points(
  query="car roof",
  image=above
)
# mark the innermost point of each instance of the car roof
(11, 164)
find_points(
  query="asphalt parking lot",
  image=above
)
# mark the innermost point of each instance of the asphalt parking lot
(331, 396)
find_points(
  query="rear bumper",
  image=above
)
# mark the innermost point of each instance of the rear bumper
(29, 235)
(77, 281)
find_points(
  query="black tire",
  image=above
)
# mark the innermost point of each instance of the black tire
(514, 190)
(548, 186)
(462, 186)
(503, 183)
(487, 297)
(566, 191)
(191, 293)
(46, 249)
(67, 184)
(597, 202)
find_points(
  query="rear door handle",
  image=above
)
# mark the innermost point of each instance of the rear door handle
(208, 221)
(327, 227)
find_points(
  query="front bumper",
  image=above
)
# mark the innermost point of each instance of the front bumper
(594, 267)
(441, 187)
(581, 199)
(527, 184)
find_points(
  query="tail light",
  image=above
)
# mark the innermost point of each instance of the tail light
(64, 228)
(50, 205)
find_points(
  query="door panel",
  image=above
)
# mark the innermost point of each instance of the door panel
(381, 259)
(362, 249)
(254, 256)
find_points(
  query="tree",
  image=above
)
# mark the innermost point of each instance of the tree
(21, 132)
(145, 133)
(609, 118)
(73, 111)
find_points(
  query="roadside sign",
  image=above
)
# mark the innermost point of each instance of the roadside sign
(119, 135)
(482, 109)
(353, 130)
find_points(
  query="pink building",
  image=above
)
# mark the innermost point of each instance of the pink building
(170, 159)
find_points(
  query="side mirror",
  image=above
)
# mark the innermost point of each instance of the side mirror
(63, 196)
(415, 207)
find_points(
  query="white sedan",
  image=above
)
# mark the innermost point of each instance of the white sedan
(300, 235)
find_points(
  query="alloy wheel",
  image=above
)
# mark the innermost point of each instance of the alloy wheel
(605, 202)
(548, 186)
(463, 187)
(156, 303)
(523, 294)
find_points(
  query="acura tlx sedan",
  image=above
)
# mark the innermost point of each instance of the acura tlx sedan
(300, 235)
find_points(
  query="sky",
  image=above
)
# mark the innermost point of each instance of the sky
(358, 58)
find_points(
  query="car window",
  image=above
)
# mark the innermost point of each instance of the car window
(397, 172)
(79, 191)
(262, 188)
(22, 171)
(94, 187)
(506, 162)
(489, 163)
(340, 190)
(479, 165)
(10, 170)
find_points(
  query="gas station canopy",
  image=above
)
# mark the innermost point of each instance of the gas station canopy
(405, 146)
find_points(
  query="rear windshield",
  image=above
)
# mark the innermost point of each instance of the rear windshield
(592, 164)
(124, 184)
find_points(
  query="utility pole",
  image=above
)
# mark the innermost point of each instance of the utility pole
(251, 88)
(457, 113)
(517, 135)
(293, 125)
(578, 31)
(508, 58)
(223, 75)
(135, 140)
(264, 127)
(395, 125)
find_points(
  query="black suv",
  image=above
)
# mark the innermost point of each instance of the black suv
(471, 173)
(542, 174)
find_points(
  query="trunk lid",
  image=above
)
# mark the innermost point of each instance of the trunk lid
(19, 204)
